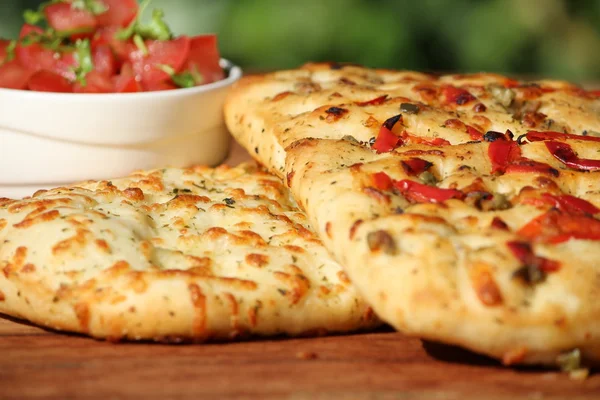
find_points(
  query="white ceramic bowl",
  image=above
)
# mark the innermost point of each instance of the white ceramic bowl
(53, 139)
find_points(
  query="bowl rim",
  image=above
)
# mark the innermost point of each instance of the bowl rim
(234, 73)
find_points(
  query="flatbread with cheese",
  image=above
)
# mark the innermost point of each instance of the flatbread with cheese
(465, 208)
(172, 254)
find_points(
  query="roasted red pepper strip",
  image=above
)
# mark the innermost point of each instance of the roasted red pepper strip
(410, 139)
(535, 136)
(556, 227)
(382, 181)
(375, 102)
(502, 153)
(566, 203)
(386, 140)
(526, 165)
(475, 134)
(420, 193)
(565, 154)
(455, 95)
(524, 253)
(416, 166)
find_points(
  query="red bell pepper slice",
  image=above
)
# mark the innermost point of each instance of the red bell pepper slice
(454, 95)
(382, 181)
(565, 154)
(566, 203)
(420, 193)
(536, 136)
(524, 253)
(525, 165)
(410, 139)
(386, 140)
(374, 102)
(557, 227)
(475, 134)
(415, 166)
(502, 153)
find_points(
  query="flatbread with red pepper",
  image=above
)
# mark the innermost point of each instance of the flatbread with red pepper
(173, 254)
(464, 208)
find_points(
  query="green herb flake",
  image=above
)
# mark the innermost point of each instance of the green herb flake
(83, 56)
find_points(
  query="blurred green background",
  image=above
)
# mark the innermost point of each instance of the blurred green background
(553, 38)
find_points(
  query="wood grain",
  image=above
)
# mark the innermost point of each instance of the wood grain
(40, 364)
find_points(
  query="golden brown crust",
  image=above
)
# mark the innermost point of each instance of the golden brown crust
(172, 254)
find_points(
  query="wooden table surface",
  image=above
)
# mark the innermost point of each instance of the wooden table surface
(40, 364)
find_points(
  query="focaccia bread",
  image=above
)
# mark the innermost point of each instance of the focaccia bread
(504, 263)
(463, 207)
(172, 254)
(267, 113)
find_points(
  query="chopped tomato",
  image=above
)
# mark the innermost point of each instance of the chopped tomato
(382, 181)
(120, 48)
(126, 82)
(120, 13)
(64, 18)
(204, 58)
(47, 81)
(104, 60)
(95, 83)
(565, 154)
(13, 76)
(27, 29)
(420, 193)
(556, 227)
(159, 86)
(3, 45)
(172, 53)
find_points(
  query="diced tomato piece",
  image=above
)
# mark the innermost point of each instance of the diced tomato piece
(3, 45)
(13, 76)
(420, 193)
(126, 82)
(120, 48)
(120, 13)
(64, 18)
(159, 86)
(47, 81)
(96, 82)
(382, 181)
(104, 60)
(204, 58)
(173, 53)
(556, 227)
(26, 29)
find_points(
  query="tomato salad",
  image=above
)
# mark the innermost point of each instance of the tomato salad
(102, 46)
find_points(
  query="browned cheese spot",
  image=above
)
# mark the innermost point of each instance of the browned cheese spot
(82, 311)
(77, 241)
(135, 194)
(199, 302)
(328, 229)
(3, 224)
(103, 246)
(290, 176)
(257, 260)
(298, 284)
(514, 356)
(484, 285)
(45, 217)
(200, 265)
(343, 278)
(354, 227)
(28, 268)
(2, 296)
(377, 195)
